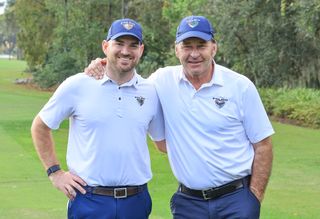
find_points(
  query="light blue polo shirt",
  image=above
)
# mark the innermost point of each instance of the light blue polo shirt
(210, 131)
(107, 143)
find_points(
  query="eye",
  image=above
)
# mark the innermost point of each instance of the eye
(134, 45)
(187, 47)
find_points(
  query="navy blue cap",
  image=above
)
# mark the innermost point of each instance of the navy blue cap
(124, 27)
(195, 26)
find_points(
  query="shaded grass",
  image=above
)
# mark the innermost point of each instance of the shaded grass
(293, 191)
(17, 101)
(26, 192)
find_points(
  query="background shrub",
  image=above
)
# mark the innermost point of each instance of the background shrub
(302, 106)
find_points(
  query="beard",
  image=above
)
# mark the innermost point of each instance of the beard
(123, 66)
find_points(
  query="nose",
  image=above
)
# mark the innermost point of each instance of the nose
(125, 50)
(194, 53)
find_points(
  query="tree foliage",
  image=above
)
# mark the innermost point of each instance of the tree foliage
(274, 43)
(8, 32)
(77, 38)
(36, 25)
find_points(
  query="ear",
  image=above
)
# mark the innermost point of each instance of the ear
(177, 50)
(141, 49)
(214, 49)
(105, 45)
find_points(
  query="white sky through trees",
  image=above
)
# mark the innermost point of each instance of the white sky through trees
(2, 6)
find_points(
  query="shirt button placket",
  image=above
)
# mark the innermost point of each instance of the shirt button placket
(120, 104)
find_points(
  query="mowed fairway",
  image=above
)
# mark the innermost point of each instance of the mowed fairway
(26, 192)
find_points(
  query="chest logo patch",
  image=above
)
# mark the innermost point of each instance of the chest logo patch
(220, 101)
(140, 100)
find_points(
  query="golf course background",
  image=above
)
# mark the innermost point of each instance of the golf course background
(26, 192)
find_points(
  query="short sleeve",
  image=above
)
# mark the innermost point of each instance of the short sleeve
(60, 105)
(156, 127)
(256, 122)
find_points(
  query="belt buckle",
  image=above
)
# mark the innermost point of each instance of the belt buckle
(117, 193)
(205, 195)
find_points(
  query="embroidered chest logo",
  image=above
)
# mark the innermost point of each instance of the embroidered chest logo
(220, 101)
(140, 100)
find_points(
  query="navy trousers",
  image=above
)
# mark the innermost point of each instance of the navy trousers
(240, 204)
(92, 206)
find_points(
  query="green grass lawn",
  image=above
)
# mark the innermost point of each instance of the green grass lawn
(26, 192)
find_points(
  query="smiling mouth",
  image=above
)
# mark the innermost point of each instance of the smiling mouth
(125, 58)
(194, 63)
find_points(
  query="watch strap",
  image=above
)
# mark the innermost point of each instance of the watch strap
(53, 169)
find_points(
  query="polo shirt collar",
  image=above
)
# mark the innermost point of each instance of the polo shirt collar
(133, 82)
(217, 78)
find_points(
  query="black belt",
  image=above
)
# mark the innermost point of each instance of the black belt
(216, 192)
(116, 192)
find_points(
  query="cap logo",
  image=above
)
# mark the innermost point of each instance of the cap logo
(127, 25)
(193, 22)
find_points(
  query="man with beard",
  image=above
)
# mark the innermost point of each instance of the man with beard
(107, 156)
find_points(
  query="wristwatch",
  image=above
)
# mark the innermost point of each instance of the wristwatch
(53, 169)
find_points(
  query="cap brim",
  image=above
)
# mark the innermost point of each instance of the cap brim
(125, 34)
(195, 34)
